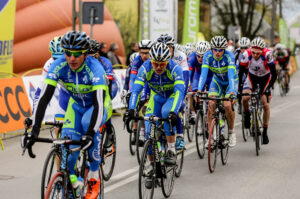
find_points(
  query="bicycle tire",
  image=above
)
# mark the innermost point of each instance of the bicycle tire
(212, 147)
(168, 181)
(256, 130)
(144, 173)
(200, 135)
(49, 161)
(245, 132)
(185, 125)
(225, 141)
(180, 160)
(132, 147)
(106, 155)
(56, 184)
(139, 149)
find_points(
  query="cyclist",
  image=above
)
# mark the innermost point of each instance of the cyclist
(244, 44)
(282, 57)
(89, 106)
(56, 52)
(195, 62)
(181, 59)
(144, 48)
(112, 84)
(221, 62)
(165, 80)
(258, 63)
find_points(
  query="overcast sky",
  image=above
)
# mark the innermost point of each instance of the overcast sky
(291, 8)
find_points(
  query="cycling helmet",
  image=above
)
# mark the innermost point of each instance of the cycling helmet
(145, 44)
(202, 47)
(166, 39)
(160, 52)
(279, 46)
(75, 40)
(244, 42)
(94, 47)
(258, 42)
(218, 42)
(133, 56)
(178, 47)
(55, 47)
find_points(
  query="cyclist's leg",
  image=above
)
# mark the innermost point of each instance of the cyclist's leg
(230, 115)
(214, 91)
(72, 128)
(266, 107)
(179, 129)
(245, 101)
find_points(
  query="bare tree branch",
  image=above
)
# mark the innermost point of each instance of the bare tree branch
(261, 20)
(232, 13)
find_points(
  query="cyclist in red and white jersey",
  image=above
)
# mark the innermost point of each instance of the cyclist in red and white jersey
(258, 62)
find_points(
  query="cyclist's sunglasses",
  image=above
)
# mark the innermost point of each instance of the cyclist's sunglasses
(255, 53)
(200, 56)
(218, 50)
(244, 48)
(157, 63)
(69, 53)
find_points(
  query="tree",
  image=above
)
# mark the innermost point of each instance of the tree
(242, 13)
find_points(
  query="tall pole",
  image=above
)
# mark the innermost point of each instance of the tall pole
(273, 20)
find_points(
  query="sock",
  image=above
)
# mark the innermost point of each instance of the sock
(231, 131)
(265, 129)
(142, 131)
(179, 135)
(93, 174)
(171, 147)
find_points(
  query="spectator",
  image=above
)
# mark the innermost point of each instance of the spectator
(134, 48)
(112, 54)
(103, 49)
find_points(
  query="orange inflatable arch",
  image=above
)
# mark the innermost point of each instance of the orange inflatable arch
(38, 22)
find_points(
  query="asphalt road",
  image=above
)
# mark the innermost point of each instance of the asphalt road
(274, 174)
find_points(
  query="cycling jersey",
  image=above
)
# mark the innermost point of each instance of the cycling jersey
(167, 91)
(63, 93)
(195, 72)
(135, 66)
(282, 58)
(181, 59)
(261, 67)
(224, 73)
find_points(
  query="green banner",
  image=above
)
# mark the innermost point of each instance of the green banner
(283, 33)
(191, 21)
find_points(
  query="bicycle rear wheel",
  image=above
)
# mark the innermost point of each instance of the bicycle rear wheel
(168, 180)
(245, 132)
(51, 166)
(179, 162)
(132, 147)
(224, 143)
(108, 156)
(56, 187)
(139, 149)
(200, 135)
(213, 145)
(146, 171)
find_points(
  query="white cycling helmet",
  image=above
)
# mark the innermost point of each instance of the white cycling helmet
(145, 44)
(133, 56)
(166, 39)
(258, 42)
(202, 47)
(244, 42)
(160, 52)
(178, 47)
(218, 42)
(279, 46)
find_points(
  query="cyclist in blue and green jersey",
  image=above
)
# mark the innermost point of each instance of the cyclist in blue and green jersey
(89, 105)
(165, 80)
(221, 63)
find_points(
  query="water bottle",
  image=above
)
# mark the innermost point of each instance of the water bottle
(161, 151)
(77, 184)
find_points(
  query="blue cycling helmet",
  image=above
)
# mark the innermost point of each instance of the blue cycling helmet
(166, 39)
(55, 47)
(75, 40)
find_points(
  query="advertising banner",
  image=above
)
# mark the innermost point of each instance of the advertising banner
(145, 19)
(7, 24)
(15, 106)
(191, 21)
(163, 18)
(283, 33)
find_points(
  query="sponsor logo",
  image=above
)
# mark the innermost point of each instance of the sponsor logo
(3, 4)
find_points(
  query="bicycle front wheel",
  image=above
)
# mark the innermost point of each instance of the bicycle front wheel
(51, 166)
(132, 141)
(146, 173)
(168, 180)
(213, 145)
(245, 132)
(256, 132)
(179, 162)
(139, 149)
(108, 157)
(224, 137)
(56, 188)
(200, 135)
